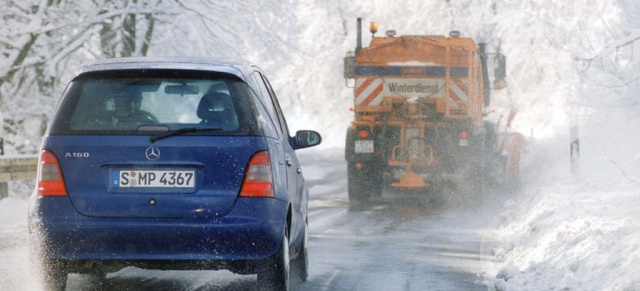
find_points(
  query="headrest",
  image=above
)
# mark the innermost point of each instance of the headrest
(213, 106)
(218, 87)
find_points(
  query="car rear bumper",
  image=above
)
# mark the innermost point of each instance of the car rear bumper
(251, 231)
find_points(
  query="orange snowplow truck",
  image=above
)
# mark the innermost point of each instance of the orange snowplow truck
(419, 126)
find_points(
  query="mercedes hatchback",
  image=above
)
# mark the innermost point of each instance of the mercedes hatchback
(181, 164)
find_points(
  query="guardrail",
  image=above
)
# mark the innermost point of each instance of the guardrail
(16, 168)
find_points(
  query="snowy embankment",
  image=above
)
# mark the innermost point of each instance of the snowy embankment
(13, 214)
(571, 232)
(13, 209)
(578, 231)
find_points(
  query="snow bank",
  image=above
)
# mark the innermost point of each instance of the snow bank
(13, 214)
(573, 232)
(582, 231)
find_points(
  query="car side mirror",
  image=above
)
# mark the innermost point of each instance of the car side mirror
(306, 138)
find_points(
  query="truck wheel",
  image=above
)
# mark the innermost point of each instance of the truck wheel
(358, 191)
(274, 274)
(355, 180)
(349, 146)
(364, 183)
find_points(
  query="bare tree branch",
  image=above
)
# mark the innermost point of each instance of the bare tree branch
(620, 85)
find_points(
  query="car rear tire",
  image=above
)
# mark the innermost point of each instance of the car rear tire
(274, 274)
(55, 277)
(301, 263)
(97, 279)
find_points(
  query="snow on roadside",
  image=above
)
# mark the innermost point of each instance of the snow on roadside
(578, 232)
(572, 237)
(15, 272)
(13, 214)
(582, 231)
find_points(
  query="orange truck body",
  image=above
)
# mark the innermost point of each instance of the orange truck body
(445, 72)
(419, 119)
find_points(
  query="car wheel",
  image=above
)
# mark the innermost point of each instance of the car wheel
(274, 274)
(97, 279)
(55, 277)
(301, 262)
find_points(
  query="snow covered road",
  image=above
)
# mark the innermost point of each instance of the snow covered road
(404, 246)
(386, 247)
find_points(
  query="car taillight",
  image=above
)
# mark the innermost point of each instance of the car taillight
(50, 182)
(258, 180)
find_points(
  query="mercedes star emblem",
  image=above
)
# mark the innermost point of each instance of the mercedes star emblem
(152, 153)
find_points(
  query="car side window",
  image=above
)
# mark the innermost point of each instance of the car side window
(267, 102)
(264, 119)
(278, 110)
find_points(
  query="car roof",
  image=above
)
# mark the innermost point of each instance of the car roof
(238, 68)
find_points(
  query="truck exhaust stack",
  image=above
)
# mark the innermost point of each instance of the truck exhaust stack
(359, 39)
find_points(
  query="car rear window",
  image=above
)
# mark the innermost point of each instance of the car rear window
(144, 101)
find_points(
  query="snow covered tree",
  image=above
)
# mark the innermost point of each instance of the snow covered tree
(41, 40)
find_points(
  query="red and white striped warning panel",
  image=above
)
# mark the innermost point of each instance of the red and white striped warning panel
(370, 91)
(459, 93)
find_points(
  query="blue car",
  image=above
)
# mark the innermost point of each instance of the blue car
(165, 163)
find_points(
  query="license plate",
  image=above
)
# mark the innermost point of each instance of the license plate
(364, 146)
(153, 179)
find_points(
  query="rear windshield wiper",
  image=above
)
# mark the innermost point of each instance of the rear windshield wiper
(181, 132)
